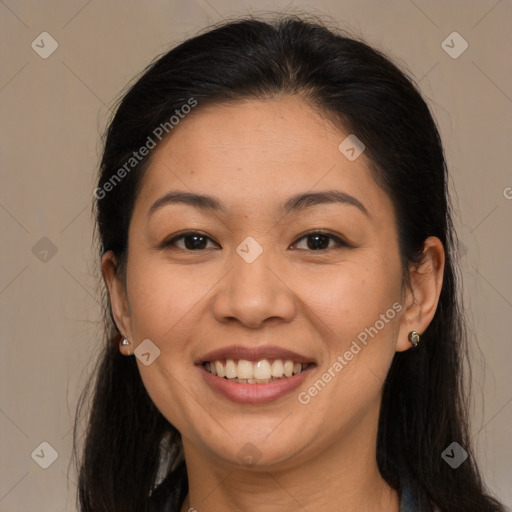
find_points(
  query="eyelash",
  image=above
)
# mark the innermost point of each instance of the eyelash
(170, 243)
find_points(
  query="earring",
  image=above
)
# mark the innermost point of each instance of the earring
(124, 343)
(414, 338)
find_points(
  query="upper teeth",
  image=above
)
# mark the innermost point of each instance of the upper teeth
(255, 372)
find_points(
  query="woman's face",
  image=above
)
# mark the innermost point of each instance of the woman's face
(254, 286)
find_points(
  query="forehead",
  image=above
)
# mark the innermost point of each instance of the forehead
(254, 153)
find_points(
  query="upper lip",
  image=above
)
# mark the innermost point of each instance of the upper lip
(253, 353)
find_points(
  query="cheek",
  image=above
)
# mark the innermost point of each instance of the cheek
(164, 300)
(165, 307)
(356, 307)
(353, 297)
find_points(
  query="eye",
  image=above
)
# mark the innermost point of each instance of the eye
(318, 241)
(193, 241)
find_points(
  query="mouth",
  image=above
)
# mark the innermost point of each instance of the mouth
(263, 371)
(254, 375)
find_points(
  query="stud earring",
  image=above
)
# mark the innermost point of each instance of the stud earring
(124, 343)
(414, 338)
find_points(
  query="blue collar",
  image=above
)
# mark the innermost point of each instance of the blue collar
(407, 501)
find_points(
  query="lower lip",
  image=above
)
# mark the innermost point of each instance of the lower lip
(254, 393)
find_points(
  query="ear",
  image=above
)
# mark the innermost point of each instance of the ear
(422, 295)
(118, 298)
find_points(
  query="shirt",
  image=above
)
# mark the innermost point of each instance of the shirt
(170, 494)
(407, 501)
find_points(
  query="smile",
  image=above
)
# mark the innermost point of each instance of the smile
(263, 371)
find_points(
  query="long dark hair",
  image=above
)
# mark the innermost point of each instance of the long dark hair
(129, 446)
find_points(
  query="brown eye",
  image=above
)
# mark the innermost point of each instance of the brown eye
(192, 241)
(319, 241)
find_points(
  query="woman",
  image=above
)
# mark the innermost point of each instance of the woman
(285, 328)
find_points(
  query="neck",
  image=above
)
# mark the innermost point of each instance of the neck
(344, 477)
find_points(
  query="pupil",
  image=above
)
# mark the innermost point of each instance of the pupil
(320, 242)
(195, 244)
(315, 245)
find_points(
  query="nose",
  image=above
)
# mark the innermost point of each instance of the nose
(255, 293)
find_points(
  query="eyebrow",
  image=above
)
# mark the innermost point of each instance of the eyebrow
(299, 202)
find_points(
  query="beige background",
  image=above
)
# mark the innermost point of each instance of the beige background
(53, 111)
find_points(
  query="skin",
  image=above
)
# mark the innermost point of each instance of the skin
(252, 156)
